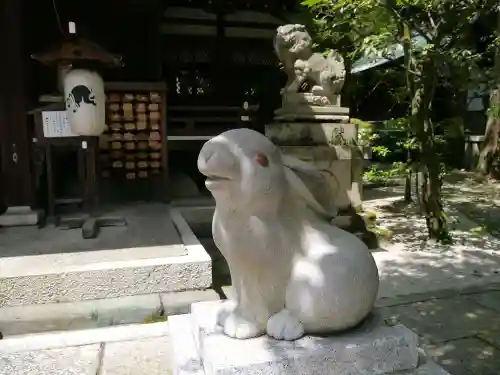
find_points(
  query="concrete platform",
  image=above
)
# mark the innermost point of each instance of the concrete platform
(199, 347)
(149, 226)
(180, 264)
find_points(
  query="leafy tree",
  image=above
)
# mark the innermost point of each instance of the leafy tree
(446, 58)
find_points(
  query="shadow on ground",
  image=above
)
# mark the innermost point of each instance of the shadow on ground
(462, 332)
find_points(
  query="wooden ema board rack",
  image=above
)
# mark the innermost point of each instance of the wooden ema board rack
(133, 145)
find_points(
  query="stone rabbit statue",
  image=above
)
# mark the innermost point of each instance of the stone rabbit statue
(292, 271)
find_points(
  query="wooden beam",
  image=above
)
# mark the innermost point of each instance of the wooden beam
(14, 140)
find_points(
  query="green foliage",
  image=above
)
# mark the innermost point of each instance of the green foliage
(358, 27)
(344, 25)
(494, 111)
(380, 176)
(381, 150)
(447, 58)
(365, 132)
(370, 219)
(479, 231)
(155, 318)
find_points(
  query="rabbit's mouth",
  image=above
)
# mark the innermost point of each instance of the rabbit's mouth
(213, 181)
(217, 178)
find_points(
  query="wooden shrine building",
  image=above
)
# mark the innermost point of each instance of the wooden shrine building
(194, 67)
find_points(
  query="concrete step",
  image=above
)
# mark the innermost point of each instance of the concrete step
(130, 349)
(141, 309)
(90, 275)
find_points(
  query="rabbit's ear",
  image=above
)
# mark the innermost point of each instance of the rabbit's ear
(310, 184)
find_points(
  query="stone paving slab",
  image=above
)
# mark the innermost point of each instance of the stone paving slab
(490, 300)
(469, 356)
(80, 360)
(492, 338)
(138, 357)
(471, 291)
(444, 319)
(430, 368)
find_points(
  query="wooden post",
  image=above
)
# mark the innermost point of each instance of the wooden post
(14, 138)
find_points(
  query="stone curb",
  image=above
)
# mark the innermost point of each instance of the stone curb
(55, 340)
(32, 319)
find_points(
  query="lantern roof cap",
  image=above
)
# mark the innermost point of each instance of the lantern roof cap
(77, 49)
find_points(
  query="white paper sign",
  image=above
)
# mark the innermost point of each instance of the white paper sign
(56, 125)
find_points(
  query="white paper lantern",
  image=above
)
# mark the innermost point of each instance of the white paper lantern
(85, 102)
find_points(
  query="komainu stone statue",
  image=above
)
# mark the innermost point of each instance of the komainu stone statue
(293, 45)
(292, 271)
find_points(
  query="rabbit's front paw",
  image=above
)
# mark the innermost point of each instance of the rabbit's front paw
(237, 327)
(225, 310)
(284, 326)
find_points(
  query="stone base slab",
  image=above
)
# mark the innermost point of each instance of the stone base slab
(340, 169)
(294, 116)
(19, 216)
(308, 99)
(307, 110)
(307, 133)
(294, 111)
(199, 347)
(321, 156)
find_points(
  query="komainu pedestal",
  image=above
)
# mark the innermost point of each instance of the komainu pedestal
(312, 126)
(200, 347)
(328, 143)
(323, 137)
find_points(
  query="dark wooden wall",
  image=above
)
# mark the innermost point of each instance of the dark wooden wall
(126, 27)
(14, 132)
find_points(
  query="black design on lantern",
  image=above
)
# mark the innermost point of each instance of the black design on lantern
(78, 95)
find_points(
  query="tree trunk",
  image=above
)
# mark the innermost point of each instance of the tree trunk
(417, 189)
(406, 33)
(422, 125)
(348, 88)
(407, 196)
(491, 135)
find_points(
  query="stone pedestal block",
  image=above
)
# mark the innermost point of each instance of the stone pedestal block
(322, 136)
(297, 112)
(373, 349)
(19, 216)
(311, 133)
(340, 165)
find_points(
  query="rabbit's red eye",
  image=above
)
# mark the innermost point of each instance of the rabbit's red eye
(262, 159)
